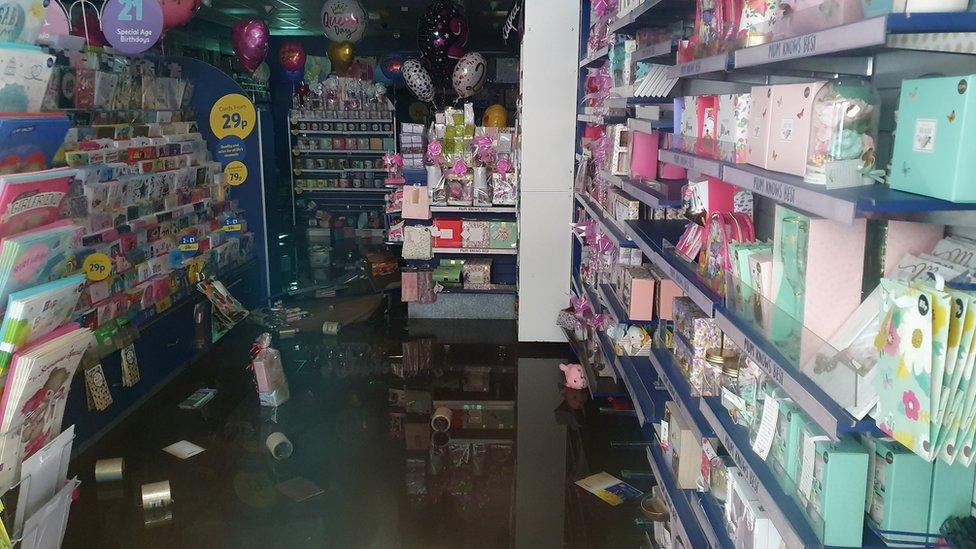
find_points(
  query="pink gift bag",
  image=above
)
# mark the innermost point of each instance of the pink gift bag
(416, 202)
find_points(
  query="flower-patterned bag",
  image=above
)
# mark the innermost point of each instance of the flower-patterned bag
(417, 242)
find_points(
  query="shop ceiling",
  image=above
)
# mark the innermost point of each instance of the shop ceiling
(392, 24)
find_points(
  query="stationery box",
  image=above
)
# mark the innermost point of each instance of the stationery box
(644, 155)
(818, 267)
(789, 134)
(936, 136)
(622, 206)
(620, 153)
(667, 291)
(688, 116)
(692, 363)
(906, 237)
(685, 450)
(733, 126)
(637, 292)
(447, 233)
(834, 492)
(760, 115)
(748, 524)
(502, 234)
(477, 274)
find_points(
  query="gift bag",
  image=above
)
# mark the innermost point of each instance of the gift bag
(416, 242)
(416, 202)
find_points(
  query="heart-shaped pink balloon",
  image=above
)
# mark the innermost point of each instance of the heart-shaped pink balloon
(291, 55)
(249, 38)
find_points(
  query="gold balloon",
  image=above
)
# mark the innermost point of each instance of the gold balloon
(495, 117)
(341, 54)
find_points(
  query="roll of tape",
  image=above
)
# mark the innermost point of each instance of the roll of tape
(156, 495)
(279, 445)
(330, 328)
(107, 470)
(441, 420)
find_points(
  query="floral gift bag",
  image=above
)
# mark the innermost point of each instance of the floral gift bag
(912, 339)
(417, 242)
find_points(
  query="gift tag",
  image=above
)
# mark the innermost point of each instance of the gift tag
(99, 397)
(767, 427)
(130, 366)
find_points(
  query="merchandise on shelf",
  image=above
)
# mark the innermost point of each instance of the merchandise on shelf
(477, 274)
(844, 134)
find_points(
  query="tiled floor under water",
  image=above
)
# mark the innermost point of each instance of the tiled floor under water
(358, 419)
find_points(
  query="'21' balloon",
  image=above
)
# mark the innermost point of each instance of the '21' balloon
(132, 26)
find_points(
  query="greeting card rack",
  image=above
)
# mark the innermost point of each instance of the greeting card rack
(885, 48)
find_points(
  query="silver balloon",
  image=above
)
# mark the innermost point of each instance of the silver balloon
(469, 74)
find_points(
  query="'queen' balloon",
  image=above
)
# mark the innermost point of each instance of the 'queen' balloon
(418, 80)
(469, 74)
(343, 20)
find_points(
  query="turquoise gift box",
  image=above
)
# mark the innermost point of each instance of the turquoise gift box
(900, 489)
(835, 503)
(935, 138)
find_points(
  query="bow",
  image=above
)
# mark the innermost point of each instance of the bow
(434, 152)
(603, 82)
(484, 149)
(391, 161)
(600, 148)
(581, 306)
(460, 168)
(605, 8)
(877, 175)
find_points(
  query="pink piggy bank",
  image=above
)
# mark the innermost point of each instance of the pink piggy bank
(574, 376)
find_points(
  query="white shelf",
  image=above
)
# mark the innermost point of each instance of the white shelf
(477, 251)
(597, 55)
(473, 209)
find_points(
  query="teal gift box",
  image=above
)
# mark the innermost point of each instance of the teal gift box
(835, 501)
(935, 138)
(900, 490)
(502, 234)
(781, 450)
(952, 493)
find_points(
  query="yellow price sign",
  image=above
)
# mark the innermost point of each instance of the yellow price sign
(235, 173)
(232, 114)
(97, 266)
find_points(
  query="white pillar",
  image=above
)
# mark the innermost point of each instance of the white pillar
(550, 65)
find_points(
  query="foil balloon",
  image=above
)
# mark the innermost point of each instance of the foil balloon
(495, 117)
(418, 80)
(469, 75)
(292, 57)
(262, 74)
(343, 20)
(392, 67)
(440, 28)
(177, 13)
(341, 54)
(293, 76)
(249, 38)
(460, 27)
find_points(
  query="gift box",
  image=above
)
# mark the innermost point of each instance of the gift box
(760, 115)
(685, 449)
(834, 493)
(707, 119)
(936, 135)
(447, 233)
(711, 196)
(477, 274)
(818, 268)
(644, 155)
(502, 234)
(449, 271)
(686, 111)
(806, 16)
(693, 366)
(636, 290)
(620, 151)
(695, 326)
(789, 134)
(733, 126)
(667, 291)
(474, 234)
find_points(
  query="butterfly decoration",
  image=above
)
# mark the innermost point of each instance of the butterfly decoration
(913, 94)
(951, 116)
(775, 155)
(799, 115)
(764, 112)
(779, 102)
(905, 168)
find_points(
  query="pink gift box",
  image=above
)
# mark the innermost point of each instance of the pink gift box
(644, 154)
(906, 237)
(789, 132)
(671, 171)
(637, 292)
(713, 195)
(667, 292)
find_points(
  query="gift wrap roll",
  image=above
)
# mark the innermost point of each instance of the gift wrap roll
(441, 420)
(279, 445)
(156, 495)
(330, 328)
(107, 470)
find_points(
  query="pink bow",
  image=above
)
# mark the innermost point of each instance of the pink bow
(605, 7)
(598, 322)
(484, 149)
(503, 166)
(392, 161)
(603, 82)
(434, 152)
(603, 243)
(600, 148)
(581, 306)
(460, 168)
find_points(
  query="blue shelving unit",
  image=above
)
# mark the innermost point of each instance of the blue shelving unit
(603, 220)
